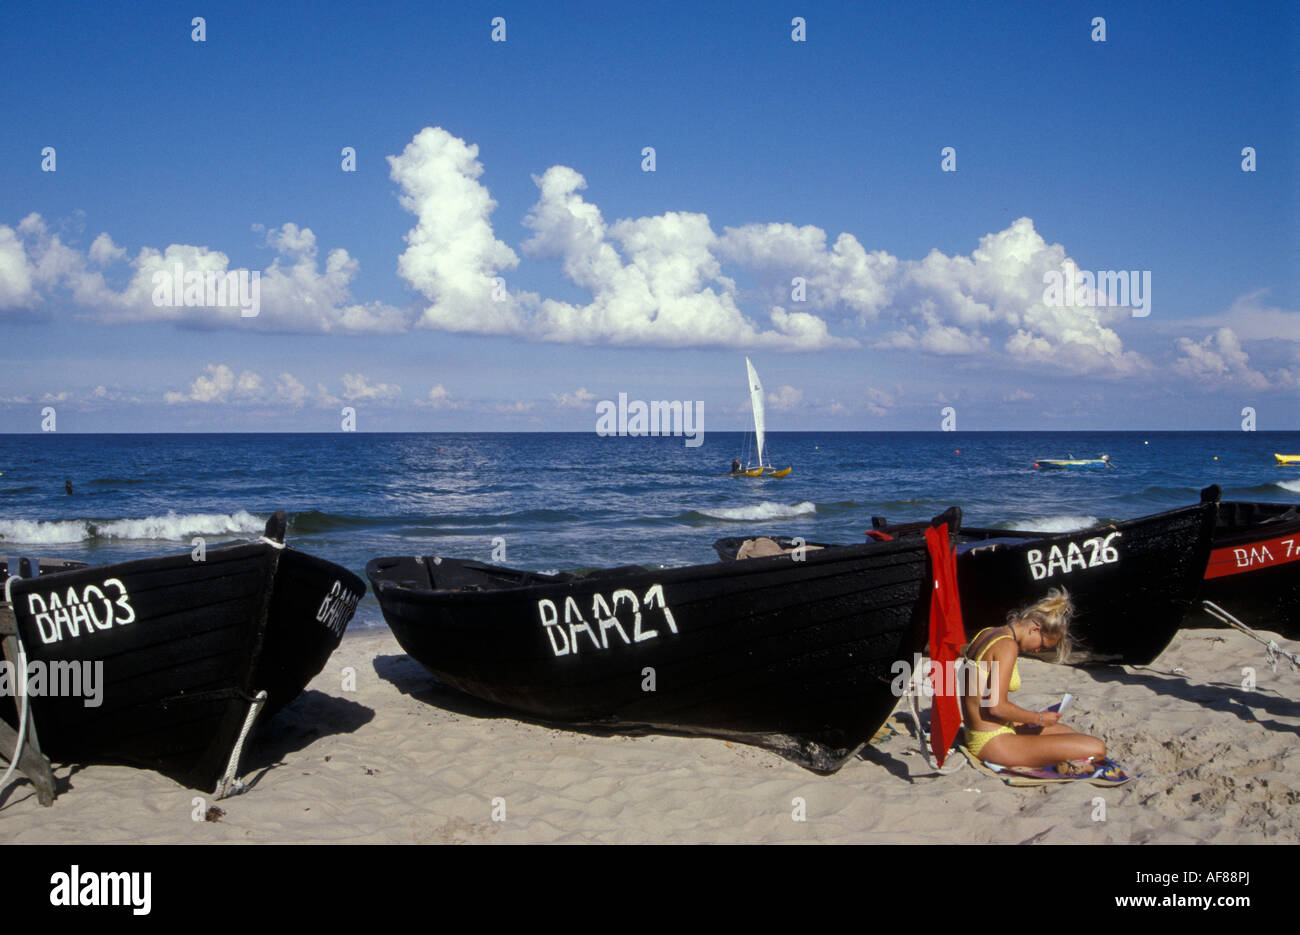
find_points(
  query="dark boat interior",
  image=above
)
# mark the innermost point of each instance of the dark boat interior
(453, 574)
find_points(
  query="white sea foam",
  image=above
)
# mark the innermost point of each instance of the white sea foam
(1057, 523)
(765, 510)
(1291, 485)
(26, 530)
(172, 527)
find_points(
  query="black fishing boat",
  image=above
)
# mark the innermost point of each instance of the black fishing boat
(160, 662)
(1254, 567)
(793, 655)
(1132, 582)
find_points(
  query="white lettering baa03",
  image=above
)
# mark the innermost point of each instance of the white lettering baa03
(75, 616)
(605, 618)
(1102, 553)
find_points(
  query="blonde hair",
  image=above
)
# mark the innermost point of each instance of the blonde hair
(1052, 615)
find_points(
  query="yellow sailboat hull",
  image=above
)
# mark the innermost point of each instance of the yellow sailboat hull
(1287, 459)
(765, 472)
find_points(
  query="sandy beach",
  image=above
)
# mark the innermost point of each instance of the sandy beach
(400, 760)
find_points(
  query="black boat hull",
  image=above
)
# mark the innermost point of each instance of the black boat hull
(1254, 567)
(311, 605)
(795, 656)
(1131, 582)
(176, 649)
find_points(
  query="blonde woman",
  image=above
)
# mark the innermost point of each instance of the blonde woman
(998, 731)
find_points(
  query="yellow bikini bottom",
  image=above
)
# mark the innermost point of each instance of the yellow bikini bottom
(976, 739)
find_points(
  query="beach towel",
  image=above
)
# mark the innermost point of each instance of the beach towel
(1107, 773)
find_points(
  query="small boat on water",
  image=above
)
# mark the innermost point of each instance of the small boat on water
(1132, 582)
(1073, 464)
(169, 655)
(792, 654)
(1254, 566)
(1287, 459)
(758, 468)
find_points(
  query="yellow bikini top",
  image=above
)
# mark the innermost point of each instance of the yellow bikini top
(1014, 684)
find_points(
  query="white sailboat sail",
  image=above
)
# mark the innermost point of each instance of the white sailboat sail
(756, 398)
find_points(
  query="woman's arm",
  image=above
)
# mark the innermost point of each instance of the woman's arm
(997, 707)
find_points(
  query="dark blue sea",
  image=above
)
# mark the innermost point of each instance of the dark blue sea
(570, 501)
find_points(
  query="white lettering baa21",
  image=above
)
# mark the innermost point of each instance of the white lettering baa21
(564, 635)
(74, 615)
(1102, 553)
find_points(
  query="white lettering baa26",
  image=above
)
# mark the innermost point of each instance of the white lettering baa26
(74, 615)
(564, 635)
(1102, 553)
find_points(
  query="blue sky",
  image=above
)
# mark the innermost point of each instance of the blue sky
(774, 159)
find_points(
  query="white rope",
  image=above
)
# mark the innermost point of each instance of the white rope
(1272, 651)
(230, 784)
(22, 691)
(22, 707)
(913, 695)
(272, 543)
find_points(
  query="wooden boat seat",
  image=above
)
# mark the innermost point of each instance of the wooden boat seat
(951, 516)
(450, 574)
(11, 566)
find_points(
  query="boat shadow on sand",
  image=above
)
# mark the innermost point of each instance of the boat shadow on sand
(304, 721)
(415, 681)
(1228, 697)
(892, 764)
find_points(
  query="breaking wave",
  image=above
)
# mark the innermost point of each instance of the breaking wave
(1054, 523)
(172, 527)
(765, 510)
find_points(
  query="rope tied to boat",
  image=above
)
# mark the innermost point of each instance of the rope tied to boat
(912, 694)
(22, 691)
(271, 542)
(230, 783)
(1272, 652)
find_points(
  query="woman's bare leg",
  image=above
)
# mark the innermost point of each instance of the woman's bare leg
(1045, 749)
(1029, 730)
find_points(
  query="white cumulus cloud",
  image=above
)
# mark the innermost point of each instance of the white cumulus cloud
(578, 399)
(452, 256)
(356, 386)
